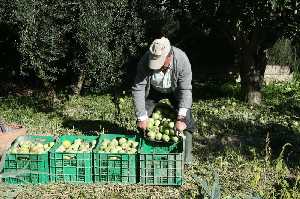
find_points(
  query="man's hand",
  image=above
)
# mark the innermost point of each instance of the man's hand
(142, 124)
(180, 124)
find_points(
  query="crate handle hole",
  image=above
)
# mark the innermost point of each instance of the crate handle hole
(23, 158)
(69, 157)
(114, 157)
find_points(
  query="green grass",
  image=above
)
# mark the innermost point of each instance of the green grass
(239, 148)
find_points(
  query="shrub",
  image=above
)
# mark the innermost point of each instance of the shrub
(285, 52)
(112, 33)
(282, 53)
(43, 47)
(75, 43)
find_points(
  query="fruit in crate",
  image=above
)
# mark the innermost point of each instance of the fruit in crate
(161, 126)
(31, 147)
(77, 146)
(121, 145)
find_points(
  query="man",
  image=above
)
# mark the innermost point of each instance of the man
(164, 72)
(8, 135)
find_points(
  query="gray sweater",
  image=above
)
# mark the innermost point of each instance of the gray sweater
(181, 81)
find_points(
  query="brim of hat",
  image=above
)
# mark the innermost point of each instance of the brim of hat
(157, 63)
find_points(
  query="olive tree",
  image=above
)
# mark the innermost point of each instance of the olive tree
(250, 27)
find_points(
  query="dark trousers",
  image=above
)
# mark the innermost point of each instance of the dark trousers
(151, 101)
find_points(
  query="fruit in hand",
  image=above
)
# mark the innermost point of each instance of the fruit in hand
(161, 126)
(157, 122)
(175, 139)
(158, 136)
(156, 116)
(171, 125)
(151, 135)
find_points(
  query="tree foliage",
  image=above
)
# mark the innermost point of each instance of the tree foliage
(250, 27)
(45, 29)
(96, 44)
(76, 43)
(111, 33)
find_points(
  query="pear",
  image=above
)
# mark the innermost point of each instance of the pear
(166, 138)
(167, 132)
(103, 147)
(40, 145)
(114, 142)
(151, 135)
(105, 143)
(132, 151)
(135, 144)
(150, 122)
(158, 136)
(175, 139)
(118, 148)
(14, 150)
(122, 140)
(171, 125)
(66, 143)
(125, 145)
(107, 149)
(172, 132)
(156, 116)
(130, 142)
(24, 150)
(156, 123)
(61, 149)
(78, 141)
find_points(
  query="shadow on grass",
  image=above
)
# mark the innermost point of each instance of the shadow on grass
(246, 136)
(215, 90)
(94, 127)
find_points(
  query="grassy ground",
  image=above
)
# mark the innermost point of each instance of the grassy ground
(245, 151)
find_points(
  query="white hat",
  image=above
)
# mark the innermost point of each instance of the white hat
(159, 50)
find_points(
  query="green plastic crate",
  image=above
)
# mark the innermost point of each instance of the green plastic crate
(71, 167)
(36, 164)
(161, 164)
(116, 168)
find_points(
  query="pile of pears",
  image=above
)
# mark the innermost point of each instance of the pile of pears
(31, 147)
(76, 146)
(161, 127)
(120, 145)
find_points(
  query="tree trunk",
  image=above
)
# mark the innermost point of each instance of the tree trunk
(253, 65)
(77, 86)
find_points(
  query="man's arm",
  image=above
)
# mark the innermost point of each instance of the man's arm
(184, 91)
(138, 89)
(184, 86)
